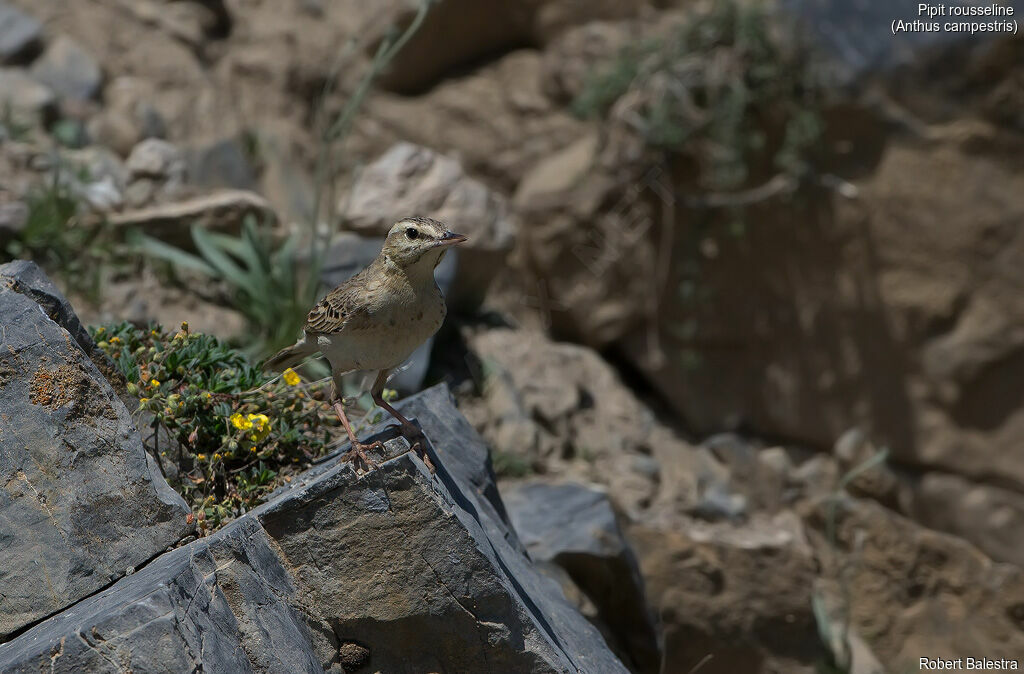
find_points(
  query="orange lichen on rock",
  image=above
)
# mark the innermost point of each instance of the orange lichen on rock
(58, 386)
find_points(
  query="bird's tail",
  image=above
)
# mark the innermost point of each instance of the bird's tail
(291, 356)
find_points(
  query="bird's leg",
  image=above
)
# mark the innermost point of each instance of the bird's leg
(358, 449)
(410, 431)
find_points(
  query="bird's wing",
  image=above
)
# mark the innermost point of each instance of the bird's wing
(344, 308)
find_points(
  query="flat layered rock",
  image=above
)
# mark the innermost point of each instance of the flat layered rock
(80, 505)
(395, 570)
(574, 527)
(222, 211)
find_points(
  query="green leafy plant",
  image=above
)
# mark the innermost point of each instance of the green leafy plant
(834, 626)
(711, 89)
(507, 464)
(224, 433)
(57, 237)
(264, 279)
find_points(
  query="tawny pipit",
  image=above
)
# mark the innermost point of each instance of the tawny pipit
(376, 319)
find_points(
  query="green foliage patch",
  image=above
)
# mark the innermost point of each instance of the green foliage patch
(711, 88)
(225, 433)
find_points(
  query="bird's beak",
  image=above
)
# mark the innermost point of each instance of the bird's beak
(450, 239)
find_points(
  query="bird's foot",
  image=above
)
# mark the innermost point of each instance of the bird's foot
(418, 445)
(422, 453)
(358, 454)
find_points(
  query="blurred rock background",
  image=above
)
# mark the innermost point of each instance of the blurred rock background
(744, 280)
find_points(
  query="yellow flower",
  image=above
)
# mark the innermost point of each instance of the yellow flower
(154, 333)
(291, 377)
(216, 456)
(115, 340)
(143, 400)
(201, 457)
(100, 330)
(260, 423)
(207, 395)
(154, 382)
(240, 422)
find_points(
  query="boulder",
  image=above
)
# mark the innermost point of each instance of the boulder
(506, 122)
(559, 409)
(911, 591)
(590, 239)
(27, 99)
(732, 598)
(156, 159)
(574, 526)
(799, 322)
(82, 505)
(21, 35)
(128, 115)
(989, 516)
(471, 31)
(69, 70)
(411, 180)
(395, 570)
(220, 164)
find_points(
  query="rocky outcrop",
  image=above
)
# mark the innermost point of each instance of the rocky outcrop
(910, 590)
(81, 505)
(733, 598)
(398, 569)
(69, 70)
(557, 408)
(20, 35)
(471, 32)
(395, 570)
(573, 527)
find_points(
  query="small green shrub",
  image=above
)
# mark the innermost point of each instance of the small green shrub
(266, 283)
(711, 88)
(225, 433)
(60, 240)
(507, 464)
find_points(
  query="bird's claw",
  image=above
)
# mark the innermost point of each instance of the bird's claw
(421, 452)
(358, 452)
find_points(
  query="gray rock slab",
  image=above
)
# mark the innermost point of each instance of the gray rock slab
(69, 70)
(574, 526)
(394, 570)
(21, 35)
(222, 164)
(79, 503)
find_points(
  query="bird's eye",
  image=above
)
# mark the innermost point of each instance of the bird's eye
(412, 232)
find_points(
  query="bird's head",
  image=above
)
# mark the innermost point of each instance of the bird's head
(415, 241)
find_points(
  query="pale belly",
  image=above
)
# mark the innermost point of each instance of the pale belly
(382, 349)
